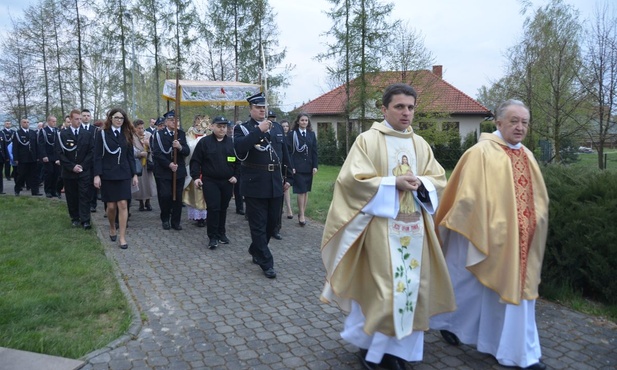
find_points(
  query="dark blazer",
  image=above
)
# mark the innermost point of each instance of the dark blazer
(4, 154)
(256, 179)
(6, 136)
(25, 146)
(119, 166)
(304, 161)
(69, 157)
(46, 140)
(162, 143)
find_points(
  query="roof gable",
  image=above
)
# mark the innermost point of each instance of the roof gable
(434, 95)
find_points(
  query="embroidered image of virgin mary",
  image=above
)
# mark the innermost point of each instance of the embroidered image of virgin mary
(407, 201)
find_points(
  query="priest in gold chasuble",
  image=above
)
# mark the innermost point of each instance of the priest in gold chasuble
(383, 260)
(492, 223)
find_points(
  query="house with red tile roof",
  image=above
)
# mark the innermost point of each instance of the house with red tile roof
(439, 103)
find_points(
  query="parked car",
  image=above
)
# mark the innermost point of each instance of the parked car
(584, 149)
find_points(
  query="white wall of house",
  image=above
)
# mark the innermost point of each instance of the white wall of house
(467, 123)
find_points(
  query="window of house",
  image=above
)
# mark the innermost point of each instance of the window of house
(450, 126)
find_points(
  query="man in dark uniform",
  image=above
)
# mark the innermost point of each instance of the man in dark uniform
(25, 156)
(86, 125)
(214, 169)
(47, 155)
(152, 127)
(3, 154)
(277, 230)
(163, 147)
(75, 149)
(7, 136)
(260, 146)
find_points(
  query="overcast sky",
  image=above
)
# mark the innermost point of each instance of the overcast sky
(467, 37)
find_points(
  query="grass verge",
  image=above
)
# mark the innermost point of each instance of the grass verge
(58, 292)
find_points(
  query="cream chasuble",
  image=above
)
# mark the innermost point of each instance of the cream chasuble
(393, 267)
(500, 204)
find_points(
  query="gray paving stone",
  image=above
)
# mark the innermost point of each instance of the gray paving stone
(215, 309)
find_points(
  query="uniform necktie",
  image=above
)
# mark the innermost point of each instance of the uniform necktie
(304, 134)
(116, 133)
(76, 132)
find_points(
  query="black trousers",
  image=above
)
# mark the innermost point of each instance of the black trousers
(77, 193)
(27, 175)
(52, 174)
(263, 216)
(8, 170)
(217, 194)
(171, 210)
(238, 198)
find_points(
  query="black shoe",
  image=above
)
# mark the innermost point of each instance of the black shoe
(270, 273)
(240, 211)
(366, 364)
(124, 246)
(255, 261)
(212, 244)
(16, 193)
(450, 337)
(392, 362)
(37, 195)
(277, 236)
(148, 207)
(48, 195)
(1, 192)
(176, 227)
(75, 223)
(59, 196)
(166, 225)
(113, 237)
(141, 207)
(224, 239)
(302, 223)
(537, 366)
(92, 209)
(87, 225)
(201, 223)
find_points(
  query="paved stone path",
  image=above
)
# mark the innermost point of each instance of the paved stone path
(202, 309)
(214, 309)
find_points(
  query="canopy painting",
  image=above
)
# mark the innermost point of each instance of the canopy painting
(209, 92)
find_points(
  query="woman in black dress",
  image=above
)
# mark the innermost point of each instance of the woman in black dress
(303, 148)
(114, 169)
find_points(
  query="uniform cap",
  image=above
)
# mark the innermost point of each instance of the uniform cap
(258, 99)
(170, 114)
(271, 114)
(220, 120)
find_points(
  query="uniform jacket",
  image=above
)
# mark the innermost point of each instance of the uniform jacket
(46, 140)
(256, 180)
(163, 154)
(214, 159)
(118, 166)
(25, 146)
(69, 157)
(303, 161)
(6, 136)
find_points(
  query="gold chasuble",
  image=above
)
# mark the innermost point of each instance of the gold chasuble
(393, 268)
(500, 204)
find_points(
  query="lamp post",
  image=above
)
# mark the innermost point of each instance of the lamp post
(130, 18)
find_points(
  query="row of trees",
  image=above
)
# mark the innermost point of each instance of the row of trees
(71, 53)
(565, 69)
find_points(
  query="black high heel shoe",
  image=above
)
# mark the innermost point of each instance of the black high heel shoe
(302, 223)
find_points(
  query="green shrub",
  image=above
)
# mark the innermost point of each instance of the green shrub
(581, 249)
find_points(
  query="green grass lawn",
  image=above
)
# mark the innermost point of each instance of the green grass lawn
(58, 292)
